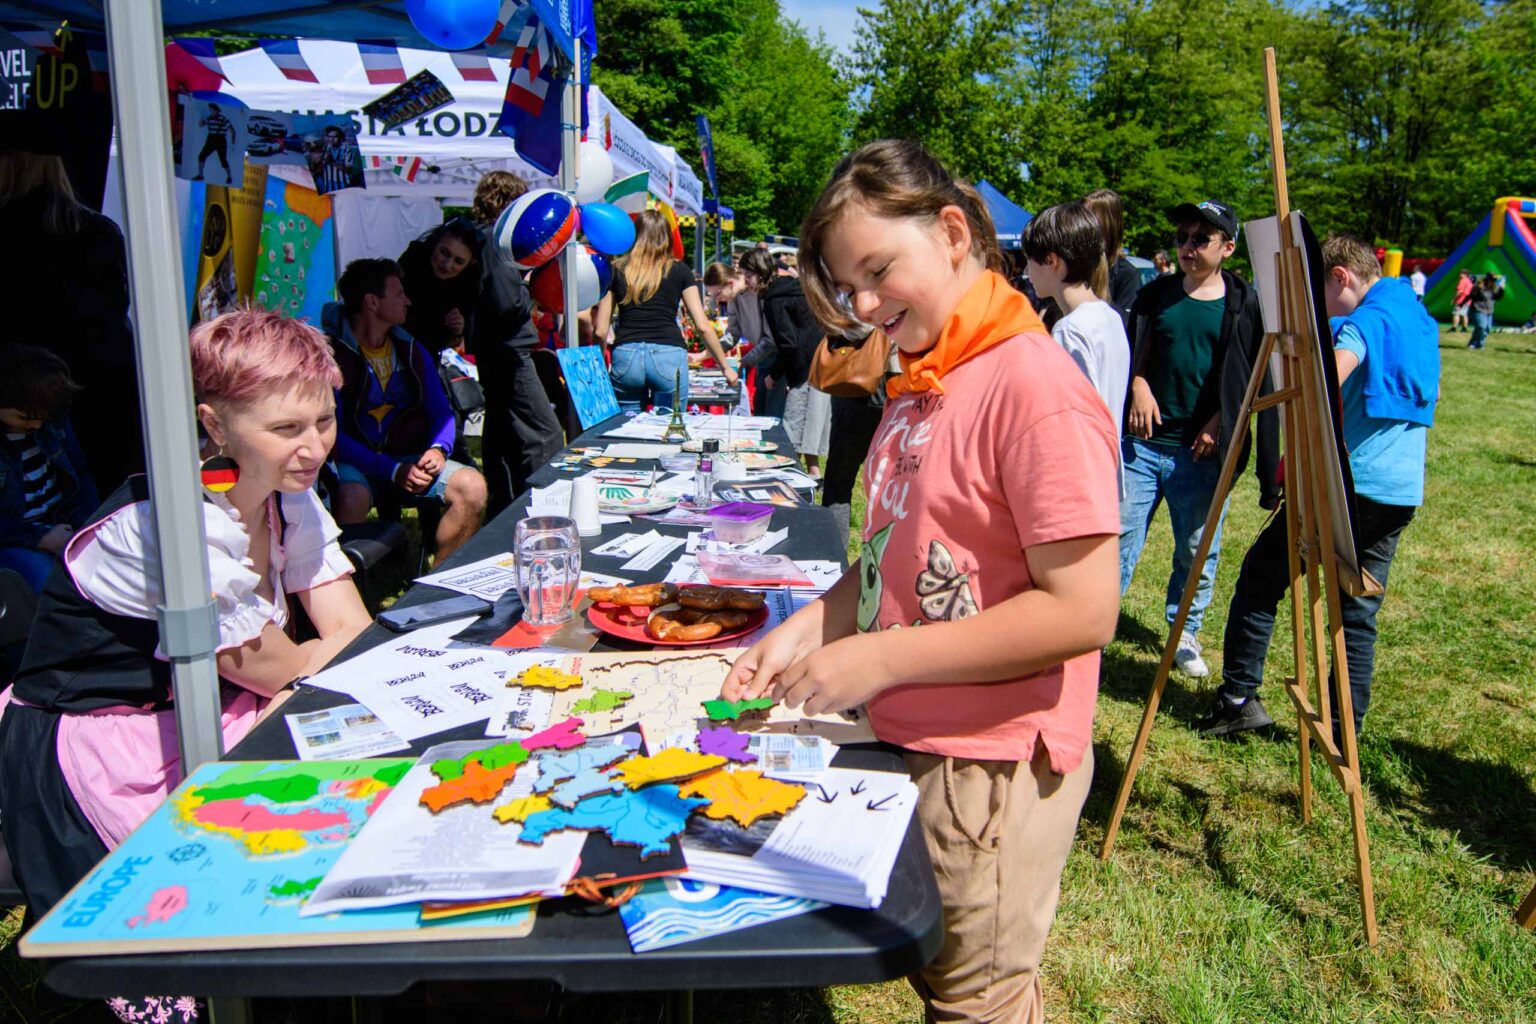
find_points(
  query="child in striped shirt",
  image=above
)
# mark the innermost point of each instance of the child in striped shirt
(45, 491)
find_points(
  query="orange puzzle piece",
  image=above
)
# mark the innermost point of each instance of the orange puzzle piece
(743, 796)
(478, 785)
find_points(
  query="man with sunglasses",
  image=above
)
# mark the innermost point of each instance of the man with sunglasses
(1194, 336)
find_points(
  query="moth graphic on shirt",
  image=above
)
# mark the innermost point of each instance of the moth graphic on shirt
(943, 591)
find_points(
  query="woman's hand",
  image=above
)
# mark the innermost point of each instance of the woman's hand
(841, 675)
(732, 377)
(454, 321)
(757, 669)
(1144, 414)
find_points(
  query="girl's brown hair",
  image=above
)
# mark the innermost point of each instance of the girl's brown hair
(717, 274)
(647, 263)
(759, 263)
(890, 178)
(1106, 205)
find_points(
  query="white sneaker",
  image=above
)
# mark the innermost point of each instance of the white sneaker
(1187, 658)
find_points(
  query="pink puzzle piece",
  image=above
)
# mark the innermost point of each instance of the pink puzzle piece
(163, 905)
(562, 736)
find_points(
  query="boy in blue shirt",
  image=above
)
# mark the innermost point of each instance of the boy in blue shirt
(1387, 351)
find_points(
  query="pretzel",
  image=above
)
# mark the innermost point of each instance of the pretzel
(646, 595)
(716, 598)
(668, 624)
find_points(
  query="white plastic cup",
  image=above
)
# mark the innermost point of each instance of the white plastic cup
(728, 469)
(584, 506)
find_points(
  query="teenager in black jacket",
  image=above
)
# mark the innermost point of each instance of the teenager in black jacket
(796, 334)
(1194, 338)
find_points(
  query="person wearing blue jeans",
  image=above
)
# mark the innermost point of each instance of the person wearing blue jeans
(650, 357)
(1488, 290)
(1194, 337)
(1387, 351)
(641, 369)
(1153, 474)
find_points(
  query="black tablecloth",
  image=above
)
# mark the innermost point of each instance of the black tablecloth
(571, 944)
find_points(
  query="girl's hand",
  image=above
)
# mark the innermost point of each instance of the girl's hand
(757, 669)
(454, 321)
(1144, 414)
(836, 677)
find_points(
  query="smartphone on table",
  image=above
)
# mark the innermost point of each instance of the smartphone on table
(403, 620)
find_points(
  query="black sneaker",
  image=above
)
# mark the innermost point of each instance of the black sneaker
(1227, 718)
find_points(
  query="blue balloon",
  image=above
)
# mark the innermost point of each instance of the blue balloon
(608, 228)
(454, 24)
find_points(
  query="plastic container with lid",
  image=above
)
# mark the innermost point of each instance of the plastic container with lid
(739, 522)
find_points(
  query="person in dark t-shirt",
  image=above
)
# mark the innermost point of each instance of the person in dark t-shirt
(650, 358)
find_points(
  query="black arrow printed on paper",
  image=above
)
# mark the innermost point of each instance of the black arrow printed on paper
(856, 790)
(874, 805)
(824, 798)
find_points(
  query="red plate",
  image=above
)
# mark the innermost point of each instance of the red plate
(605, 617)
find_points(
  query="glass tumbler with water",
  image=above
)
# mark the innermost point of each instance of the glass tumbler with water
(547, 551)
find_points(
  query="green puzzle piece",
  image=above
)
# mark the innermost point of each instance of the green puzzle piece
(729, 710)
(491, 758)
(601, 701)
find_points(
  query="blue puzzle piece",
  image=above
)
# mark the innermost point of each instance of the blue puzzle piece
(648, 818)
(556, 767)
(585, 783)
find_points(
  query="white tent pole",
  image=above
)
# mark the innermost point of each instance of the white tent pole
(570, 147)
(188, 620)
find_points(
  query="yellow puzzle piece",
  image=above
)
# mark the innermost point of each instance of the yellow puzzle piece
(668, 765)
(743, 796)
(545, 678)
(521, 808)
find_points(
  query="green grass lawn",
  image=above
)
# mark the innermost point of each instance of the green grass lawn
(1219, 905)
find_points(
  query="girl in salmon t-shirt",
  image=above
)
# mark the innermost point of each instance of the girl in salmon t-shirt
(989, 578)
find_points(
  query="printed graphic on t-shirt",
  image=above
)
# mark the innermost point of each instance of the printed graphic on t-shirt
(943, 589)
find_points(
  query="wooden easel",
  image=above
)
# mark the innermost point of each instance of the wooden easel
(1313, 563)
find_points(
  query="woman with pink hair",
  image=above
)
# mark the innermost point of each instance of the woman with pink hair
(88, 743)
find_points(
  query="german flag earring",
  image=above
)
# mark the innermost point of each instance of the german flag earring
(220, 473)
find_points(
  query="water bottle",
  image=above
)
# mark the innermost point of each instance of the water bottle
(704, 475)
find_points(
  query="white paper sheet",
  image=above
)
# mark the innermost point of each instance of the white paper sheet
(422, 682)
(347, 731)
(406, 854)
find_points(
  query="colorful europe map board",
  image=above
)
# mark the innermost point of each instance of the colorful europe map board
(227, 861)
(586, 377)
(296, 262)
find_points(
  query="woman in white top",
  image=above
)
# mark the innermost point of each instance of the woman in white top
(88, 745)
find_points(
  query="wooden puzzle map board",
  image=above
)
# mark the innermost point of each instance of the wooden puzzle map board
(228, 860)
(669, 690)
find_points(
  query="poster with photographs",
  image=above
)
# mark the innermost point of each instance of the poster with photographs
(418, 97)
(214, 138)
(324, 143)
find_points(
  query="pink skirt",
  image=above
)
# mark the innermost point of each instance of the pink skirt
(121, 763)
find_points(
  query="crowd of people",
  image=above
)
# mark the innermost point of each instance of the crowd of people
(1015, 453)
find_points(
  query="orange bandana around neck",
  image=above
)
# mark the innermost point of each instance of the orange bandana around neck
(990, 313)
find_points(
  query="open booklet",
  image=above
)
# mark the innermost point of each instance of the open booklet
(838, 845)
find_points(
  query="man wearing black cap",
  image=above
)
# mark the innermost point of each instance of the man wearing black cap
(1193, 340)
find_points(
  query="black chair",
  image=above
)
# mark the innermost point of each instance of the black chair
(18, 604)
(366, 545)
(547, 363)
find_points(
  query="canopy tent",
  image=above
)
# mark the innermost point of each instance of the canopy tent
(136, 34)
(1008, 217)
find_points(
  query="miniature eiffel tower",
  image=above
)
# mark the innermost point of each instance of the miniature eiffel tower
(676, 432)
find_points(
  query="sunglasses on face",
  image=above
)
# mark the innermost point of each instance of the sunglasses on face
(1184, 238)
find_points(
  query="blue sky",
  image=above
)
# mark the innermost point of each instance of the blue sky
(836, 18)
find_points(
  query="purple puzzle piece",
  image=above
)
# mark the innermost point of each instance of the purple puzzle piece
(723, 741)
